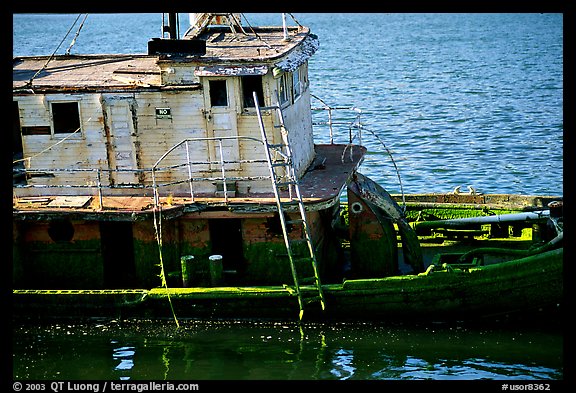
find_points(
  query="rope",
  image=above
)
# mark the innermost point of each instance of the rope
(49, 147)
(158, 233)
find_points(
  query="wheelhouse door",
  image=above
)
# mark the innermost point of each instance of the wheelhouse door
(121, 136)
(220, 111)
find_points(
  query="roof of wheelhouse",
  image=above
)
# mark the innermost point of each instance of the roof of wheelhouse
(256, 44)
(224, 46)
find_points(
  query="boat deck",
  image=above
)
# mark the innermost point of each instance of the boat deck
(320, 187)
(117, 72)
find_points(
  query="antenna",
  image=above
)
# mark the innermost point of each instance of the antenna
(172, 27)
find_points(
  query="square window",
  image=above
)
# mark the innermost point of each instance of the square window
(66, 117)
(296, 83)
(251, 84)
(218, 93)
(284, 89)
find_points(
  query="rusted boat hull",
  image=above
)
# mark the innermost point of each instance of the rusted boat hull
(372, 282)
(187, 182)
(525, 286)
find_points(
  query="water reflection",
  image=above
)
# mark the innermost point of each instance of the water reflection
(125, 354)
(343, 364)
(468, 369)
(220, 350)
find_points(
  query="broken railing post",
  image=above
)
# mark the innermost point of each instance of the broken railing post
(186, 262)
(215, 270)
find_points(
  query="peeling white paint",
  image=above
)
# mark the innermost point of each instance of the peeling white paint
(231, 70)
(300, 54)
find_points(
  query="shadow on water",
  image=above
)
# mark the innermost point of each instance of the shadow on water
(250, 350)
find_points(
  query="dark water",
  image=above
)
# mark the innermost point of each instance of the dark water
(460, 99)
(223, 350)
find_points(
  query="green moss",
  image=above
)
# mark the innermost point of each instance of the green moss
(63, 264)
(267, 262)
(374, 257)
(415, 212)
(448, 212)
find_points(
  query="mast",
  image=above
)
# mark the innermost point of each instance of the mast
(284, 28)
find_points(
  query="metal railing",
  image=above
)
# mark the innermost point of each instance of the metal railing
(347, 122)
(221, 162)
(188, 167)
(349, 118)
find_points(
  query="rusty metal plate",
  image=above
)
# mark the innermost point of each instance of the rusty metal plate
(70, 201)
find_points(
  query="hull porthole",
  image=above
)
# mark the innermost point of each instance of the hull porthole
(356, 207)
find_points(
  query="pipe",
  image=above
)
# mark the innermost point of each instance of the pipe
(172, 26)
(537, 216)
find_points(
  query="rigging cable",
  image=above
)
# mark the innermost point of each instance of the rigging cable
(294, 19)
(257, 35)
(393, 163)
(53, 53)
(77, 34)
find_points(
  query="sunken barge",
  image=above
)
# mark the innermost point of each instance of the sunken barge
(190, 175)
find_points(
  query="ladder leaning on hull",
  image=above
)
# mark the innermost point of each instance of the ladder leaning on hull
(295, 198)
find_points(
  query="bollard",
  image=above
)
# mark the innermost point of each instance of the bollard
(186, 263)
(556, 209)
(215, 270)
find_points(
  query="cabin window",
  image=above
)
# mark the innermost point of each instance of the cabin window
(218, 93)
(296, 83)
(284, 88)
(304, 76)
(65, 117)
(250, 84)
